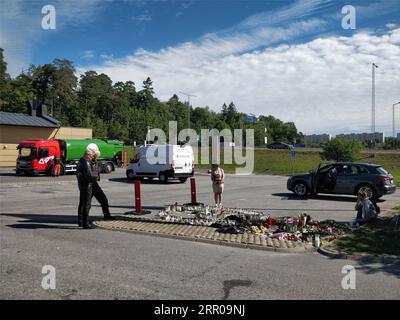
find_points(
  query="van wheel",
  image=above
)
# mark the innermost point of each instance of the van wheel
(130, 175)
(162, 177)
(182, 180)
(18, 172)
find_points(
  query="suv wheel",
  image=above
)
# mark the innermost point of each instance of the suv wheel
(182, 180)
(300, 189)
(369, 190)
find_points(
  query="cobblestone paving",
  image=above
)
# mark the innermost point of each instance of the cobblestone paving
(203, 234)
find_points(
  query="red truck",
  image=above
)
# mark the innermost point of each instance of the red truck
(38, 155)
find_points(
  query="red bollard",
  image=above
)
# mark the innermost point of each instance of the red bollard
(138, 199)
(193, 190)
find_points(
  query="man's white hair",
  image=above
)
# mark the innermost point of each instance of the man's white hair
(93, 149)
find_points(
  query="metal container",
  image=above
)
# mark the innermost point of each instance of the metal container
(74, 149)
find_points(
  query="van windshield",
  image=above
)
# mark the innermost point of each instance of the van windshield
(27, 153)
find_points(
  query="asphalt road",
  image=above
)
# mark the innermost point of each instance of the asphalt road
(38, 227)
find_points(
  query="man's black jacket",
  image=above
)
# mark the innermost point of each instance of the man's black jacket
(87, 172)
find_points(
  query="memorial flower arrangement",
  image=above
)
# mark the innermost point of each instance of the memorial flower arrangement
(235, 221)
(295, 228)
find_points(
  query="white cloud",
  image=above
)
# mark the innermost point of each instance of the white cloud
(323, 85)
(300, 9)
(87, 54)
(20, 26)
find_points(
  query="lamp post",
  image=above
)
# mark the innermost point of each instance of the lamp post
(374, 66)
(394, 128)
(188, 99)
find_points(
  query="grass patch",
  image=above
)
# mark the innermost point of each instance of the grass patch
(373, 238)
(278, 162)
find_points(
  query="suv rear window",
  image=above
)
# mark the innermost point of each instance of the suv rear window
(382, 171)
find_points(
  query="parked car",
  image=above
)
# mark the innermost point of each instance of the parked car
(344, 178)
(279, 145)
(163, 162)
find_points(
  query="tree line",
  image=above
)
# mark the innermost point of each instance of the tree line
(120, 110)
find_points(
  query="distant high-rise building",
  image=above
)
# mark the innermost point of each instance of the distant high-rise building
(316, 140)
(378, 137)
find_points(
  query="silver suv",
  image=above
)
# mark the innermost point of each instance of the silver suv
(344, 178)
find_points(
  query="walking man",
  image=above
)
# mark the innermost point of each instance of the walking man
(88, 176)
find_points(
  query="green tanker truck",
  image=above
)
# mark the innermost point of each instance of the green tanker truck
(37, 155)
(110, 152)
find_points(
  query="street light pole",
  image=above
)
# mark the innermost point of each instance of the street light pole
(188, 95)
(373, 104)
(394, 128)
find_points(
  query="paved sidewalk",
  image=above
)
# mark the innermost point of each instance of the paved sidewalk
(203, 234)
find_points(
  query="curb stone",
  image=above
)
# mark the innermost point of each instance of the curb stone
(188, 233)
(384, 258)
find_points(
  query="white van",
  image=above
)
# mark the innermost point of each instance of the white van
(163, 162)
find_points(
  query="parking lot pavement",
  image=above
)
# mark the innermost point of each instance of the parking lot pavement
(257, 191)
(38, 227)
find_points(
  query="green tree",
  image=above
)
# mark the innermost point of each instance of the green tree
(148, 87)
(4, 76)
(341, 149)
(391, 143)
(21, 91)
(63, 90)
(42, 81)
(4, 82)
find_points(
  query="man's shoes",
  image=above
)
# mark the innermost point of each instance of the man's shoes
(108, 217)
(86, 224)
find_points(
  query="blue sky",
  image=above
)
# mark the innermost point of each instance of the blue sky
(288, 58)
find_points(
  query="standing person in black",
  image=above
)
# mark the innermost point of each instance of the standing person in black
(88, 174)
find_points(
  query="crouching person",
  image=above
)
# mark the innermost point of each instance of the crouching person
(366, 209)
(88, 176)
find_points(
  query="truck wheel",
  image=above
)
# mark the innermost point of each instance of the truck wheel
(300, 189)
(130, 175)
(162, 177)
(108, 168)
(182, 180)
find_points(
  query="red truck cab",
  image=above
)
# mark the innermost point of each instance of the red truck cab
(37, 155)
